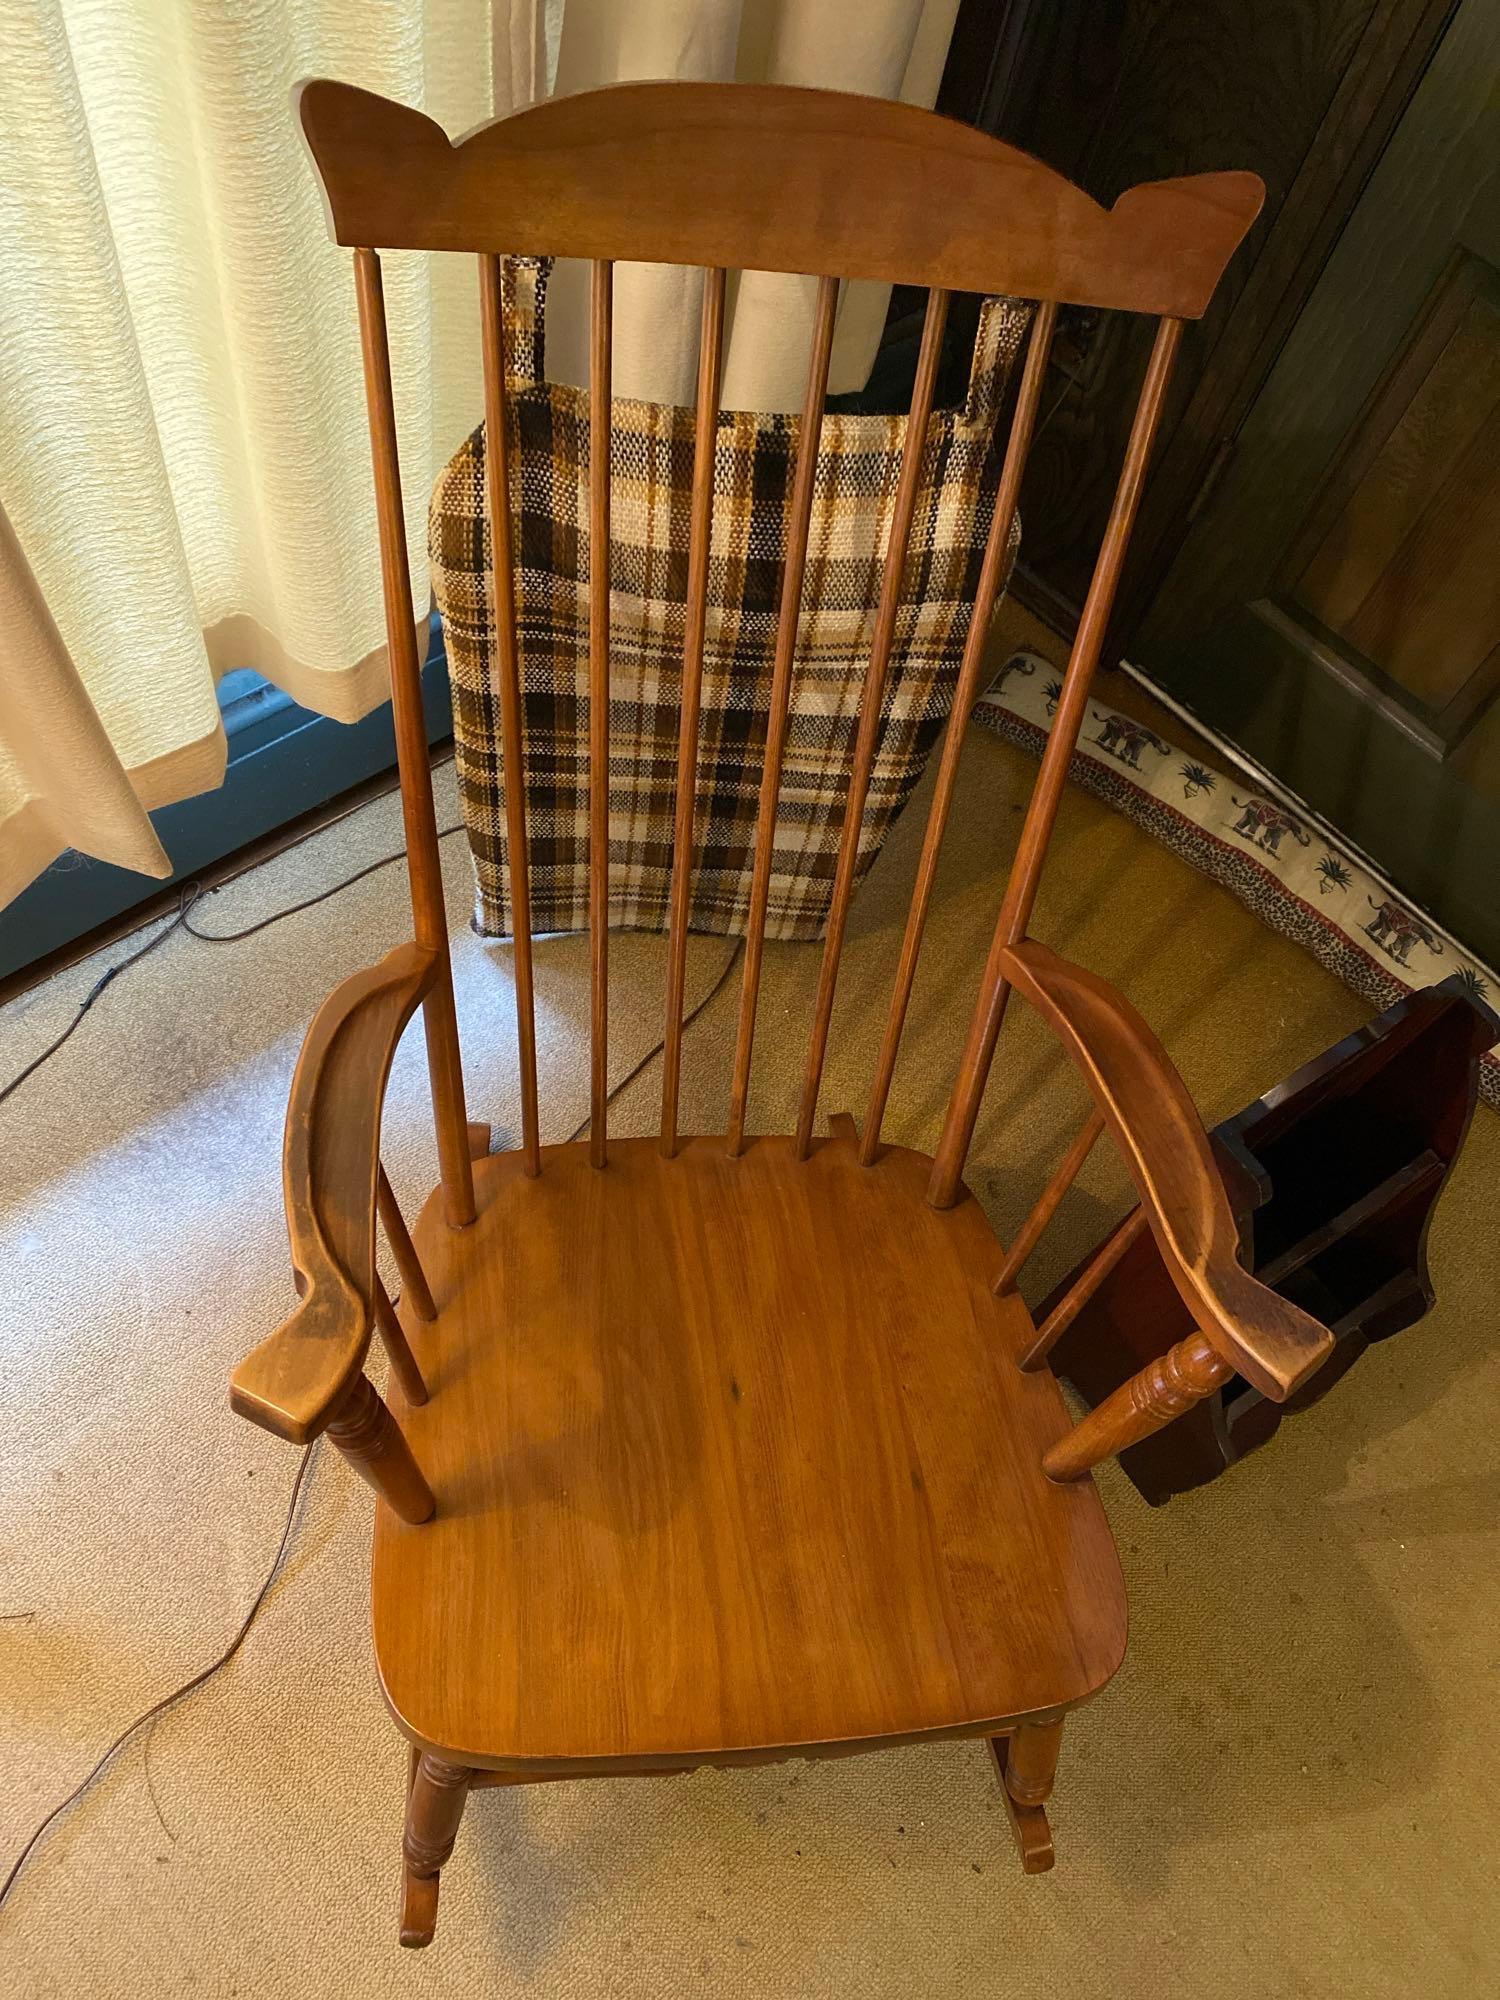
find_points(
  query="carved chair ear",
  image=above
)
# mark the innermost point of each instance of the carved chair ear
(353, 136)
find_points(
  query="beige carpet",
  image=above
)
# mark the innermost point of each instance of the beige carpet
(1288, 1789)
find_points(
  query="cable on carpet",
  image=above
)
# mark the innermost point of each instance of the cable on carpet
(157, 1708)
(193, 892)
(186, 902)
(233, 937)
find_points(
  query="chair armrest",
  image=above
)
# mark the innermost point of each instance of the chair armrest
(1155, 1123)
(293, 1382)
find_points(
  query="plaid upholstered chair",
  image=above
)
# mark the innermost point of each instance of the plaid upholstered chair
(731, 1448)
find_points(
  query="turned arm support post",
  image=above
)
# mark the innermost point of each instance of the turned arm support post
(1148, 1402)
(370, 1438)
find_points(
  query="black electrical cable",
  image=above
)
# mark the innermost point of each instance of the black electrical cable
(652, 1053)
(185, 902)
(233, 937)
(157, 1708)
(189, 897)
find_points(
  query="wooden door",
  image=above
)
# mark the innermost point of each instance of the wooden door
(1305, 93)
(1335, 608)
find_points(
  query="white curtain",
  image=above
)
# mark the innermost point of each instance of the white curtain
(184, 460)
(880, 48)
(185, 482)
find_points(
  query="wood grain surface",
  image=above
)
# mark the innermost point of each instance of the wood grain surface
(424, 865)
(719, 1450)
(804, 480)
(767, 177)
(293, 1382)
(1153, 1120)
(730, 1455)
(1057, 755)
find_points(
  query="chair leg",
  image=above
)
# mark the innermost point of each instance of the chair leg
(1027, 1816)
(435, 1798)
(1031, 1762)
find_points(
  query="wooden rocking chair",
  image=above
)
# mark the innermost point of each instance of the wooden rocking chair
(721, 1450)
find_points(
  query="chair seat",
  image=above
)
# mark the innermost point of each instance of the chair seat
(731, 1457)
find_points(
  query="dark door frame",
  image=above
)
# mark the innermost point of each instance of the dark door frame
(1046, 76)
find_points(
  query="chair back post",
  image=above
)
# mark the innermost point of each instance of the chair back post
(913, 452)
(1041, 815)
(992, 570)
(601, 406)
(700, 533)
(803, 482)
(508, 660)
(423, 861)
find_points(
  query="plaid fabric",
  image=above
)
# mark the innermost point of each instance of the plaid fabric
(651, 482)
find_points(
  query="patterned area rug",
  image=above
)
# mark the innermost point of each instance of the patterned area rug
(1290, 871)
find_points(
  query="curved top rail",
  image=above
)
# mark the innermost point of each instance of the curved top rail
(768, 177)
(1268, 1340)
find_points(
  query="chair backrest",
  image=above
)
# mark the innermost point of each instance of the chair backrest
(721, 176)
